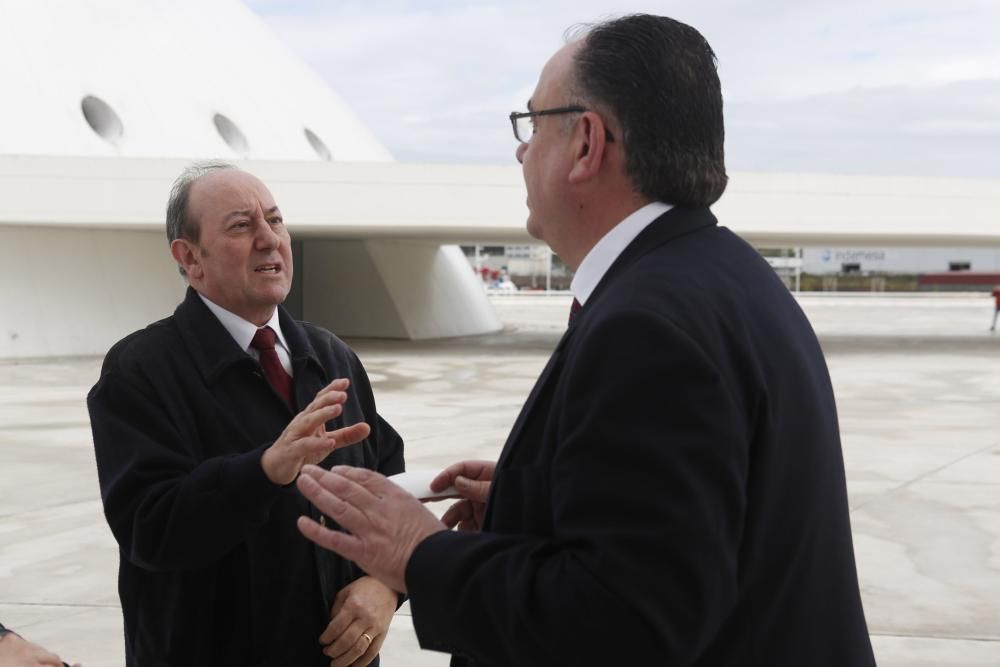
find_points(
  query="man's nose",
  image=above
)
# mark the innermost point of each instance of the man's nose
(519, 153)
(266, 237)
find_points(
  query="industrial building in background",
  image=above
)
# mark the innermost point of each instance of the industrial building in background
(888, 268)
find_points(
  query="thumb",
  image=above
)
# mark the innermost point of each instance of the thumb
(473, 490)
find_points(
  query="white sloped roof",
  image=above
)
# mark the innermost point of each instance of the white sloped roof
(486, 204)
(165, 68)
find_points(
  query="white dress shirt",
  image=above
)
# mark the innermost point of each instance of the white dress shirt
(603, 255)
(243, 332)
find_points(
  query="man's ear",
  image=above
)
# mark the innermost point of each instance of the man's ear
(186, 254)
(590, 145)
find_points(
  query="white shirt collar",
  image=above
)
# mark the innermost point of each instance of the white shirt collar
(240, 329)
(606, 251)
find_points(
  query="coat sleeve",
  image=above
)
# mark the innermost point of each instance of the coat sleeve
(167, 508)
(390, 448)
(646, 490)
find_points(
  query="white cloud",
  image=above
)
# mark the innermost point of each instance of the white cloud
(952, 127)
(809, 85)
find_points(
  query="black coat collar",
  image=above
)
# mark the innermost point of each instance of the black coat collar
(674, 223)
(214, 350)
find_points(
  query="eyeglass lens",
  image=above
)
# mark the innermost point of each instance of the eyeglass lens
(525, 128)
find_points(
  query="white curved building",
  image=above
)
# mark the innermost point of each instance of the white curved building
(164, 78)
(105, 101)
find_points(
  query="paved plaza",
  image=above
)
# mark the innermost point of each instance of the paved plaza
(917, 379)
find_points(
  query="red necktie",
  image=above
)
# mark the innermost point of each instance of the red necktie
(263, 341)
(573, 310)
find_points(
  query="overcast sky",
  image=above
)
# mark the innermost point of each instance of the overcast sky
(890, 87)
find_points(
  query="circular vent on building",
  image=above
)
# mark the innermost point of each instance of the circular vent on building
(102, 119)
(321, 150)
(231, 134)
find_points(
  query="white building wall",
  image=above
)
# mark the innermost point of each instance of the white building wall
(67, 292)
(393, 289)
(165, 67)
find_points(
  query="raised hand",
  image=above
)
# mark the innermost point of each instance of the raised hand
(305, 440)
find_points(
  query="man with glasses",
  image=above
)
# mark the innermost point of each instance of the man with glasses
(673, 491)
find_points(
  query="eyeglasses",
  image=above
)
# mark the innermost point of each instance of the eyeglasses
(524, 124)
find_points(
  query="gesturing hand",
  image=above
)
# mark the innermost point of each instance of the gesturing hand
(472, 480)
(305, 440)
(384, 522)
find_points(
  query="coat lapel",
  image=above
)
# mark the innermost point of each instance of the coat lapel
(529, 404)
(211, 347)
(674, 223)
(308, 375)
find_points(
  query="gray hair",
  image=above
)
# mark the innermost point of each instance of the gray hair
(179, 223)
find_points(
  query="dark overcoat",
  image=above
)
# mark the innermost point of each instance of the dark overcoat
(673, 491)
(212, 568)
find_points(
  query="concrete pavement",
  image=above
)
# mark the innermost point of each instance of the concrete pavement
(918, 388)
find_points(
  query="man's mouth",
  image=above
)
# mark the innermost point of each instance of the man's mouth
(268, 268)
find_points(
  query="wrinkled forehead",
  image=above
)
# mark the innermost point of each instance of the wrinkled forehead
(222, 192)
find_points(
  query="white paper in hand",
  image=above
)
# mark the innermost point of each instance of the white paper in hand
(418, 483)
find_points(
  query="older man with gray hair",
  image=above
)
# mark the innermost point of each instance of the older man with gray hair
(202, 422)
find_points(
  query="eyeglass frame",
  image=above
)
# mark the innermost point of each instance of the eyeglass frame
(518, 115)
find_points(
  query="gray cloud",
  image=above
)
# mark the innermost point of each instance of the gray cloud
(947, 130)
(908, 87)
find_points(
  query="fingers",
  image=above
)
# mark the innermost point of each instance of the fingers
(315, 449)
(45, 658)
(326, 396)
(314, 417)
(373, 648)
(476, 470)
(350, 435)
(328, 503)
(358, 484)
(340, 543)
(335, 629)
(27, 653)
(319, 409)
(351, 646)
(327, 405)
(464, 515)
(339, 497)
(460, 511)
(364, 603)
(340, 384)
(333, 393)
(350, 481)
(475, 491)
